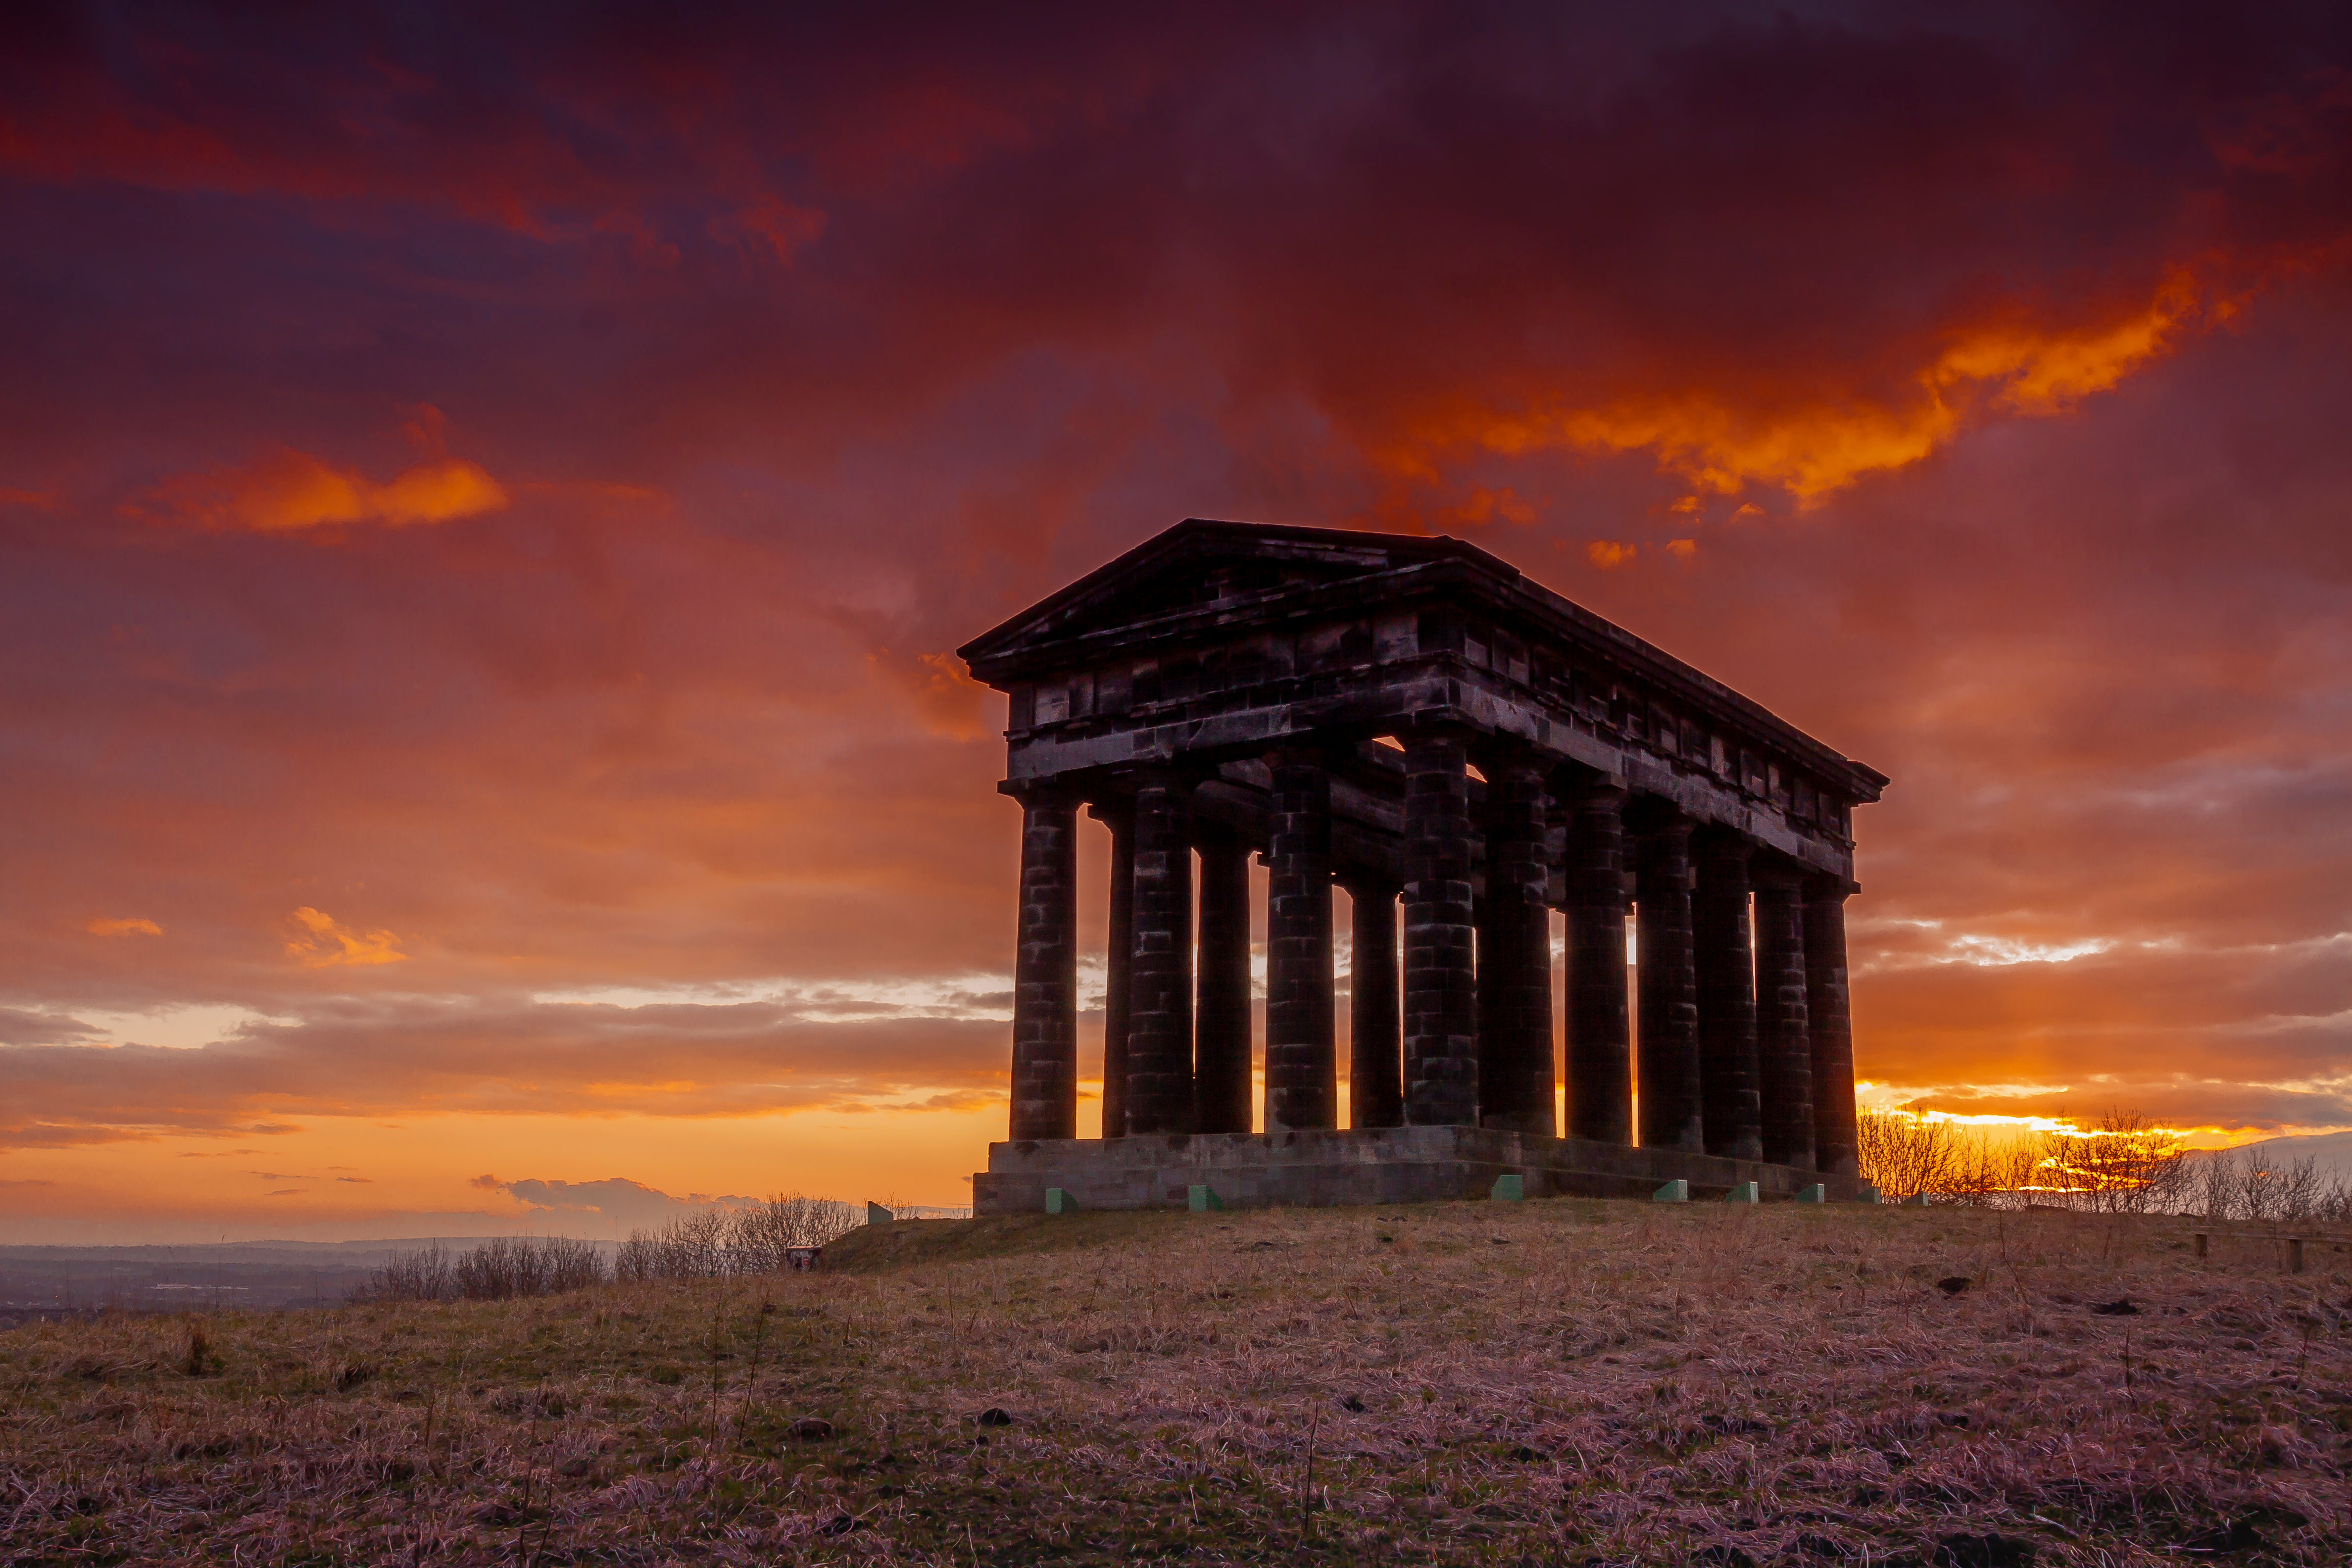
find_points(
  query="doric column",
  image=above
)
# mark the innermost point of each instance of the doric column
(1784, 1052)
(1514, 955)
(1375, 1083)
(1829, 1026)
(1441, 998)
(1671, 1109)
(1726, 997)
(1046, 970)
(1160, 1005)
(1600, 1066)
(1118, 956)
(1302, 1070)
(1220, 1031)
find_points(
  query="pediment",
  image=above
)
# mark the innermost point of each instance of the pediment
(1198, 565)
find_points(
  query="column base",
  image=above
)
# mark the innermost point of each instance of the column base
(1357, 1165)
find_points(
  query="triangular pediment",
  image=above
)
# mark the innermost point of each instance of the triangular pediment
(1198, 565)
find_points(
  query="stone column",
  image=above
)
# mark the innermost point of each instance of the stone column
(1672, 1107)
(1118, 959)
(1221, 1051)
(1046, 970)
(1734, 1106)
(1302, 1071)
(1159, 1007)
(1514, 955)
(1600, 1066)
(1375, 1083)
(1829, 1026)
(1441, 998)
(1784, 1053)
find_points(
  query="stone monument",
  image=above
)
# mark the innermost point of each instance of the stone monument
(1416, 722)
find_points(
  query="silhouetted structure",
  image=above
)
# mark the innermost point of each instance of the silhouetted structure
(1416, 721)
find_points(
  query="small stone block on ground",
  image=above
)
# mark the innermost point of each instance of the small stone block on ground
(1816, 1193)
(877, 1213)
(1745, 1193)
(1674, 1192)
(1869, 1194)
(1204, 1199)
(1915, 1201)
(1510, 1187)
(1059, 1202)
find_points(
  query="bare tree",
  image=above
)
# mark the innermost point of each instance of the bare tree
(1901, 1154)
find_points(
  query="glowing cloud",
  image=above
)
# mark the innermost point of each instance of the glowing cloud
(103, 927)
(331, 941)
(1812, 448)
(293, 492)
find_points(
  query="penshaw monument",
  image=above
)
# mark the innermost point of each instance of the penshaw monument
(1462, 751)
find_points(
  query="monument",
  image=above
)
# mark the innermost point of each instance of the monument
(1416, 722)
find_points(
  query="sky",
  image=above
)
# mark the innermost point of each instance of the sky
(488, 495)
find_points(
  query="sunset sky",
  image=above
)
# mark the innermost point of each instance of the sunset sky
(485, 506)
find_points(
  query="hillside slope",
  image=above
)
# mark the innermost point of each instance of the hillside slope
(1577, 1381)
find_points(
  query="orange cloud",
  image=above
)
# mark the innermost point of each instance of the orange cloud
(291, 491)
(103, 927)
(949, 701)
(1813, 448)
(331, 941)
(1607, 554)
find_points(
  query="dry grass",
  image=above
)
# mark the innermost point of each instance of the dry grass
(1545, 1382)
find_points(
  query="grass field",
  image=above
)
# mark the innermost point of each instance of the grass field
(1572, 1382)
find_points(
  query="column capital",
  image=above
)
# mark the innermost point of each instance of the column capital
(1424, 726)
(1593, 792)
(1306, 753)
(1722, 846)
(1770, 870)
(1494, 753)
(1207, 833)
(1654, 816)
(1830, 887)
(1042, 792)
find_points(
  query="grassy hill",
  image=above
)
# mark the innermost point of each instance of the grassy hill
(1574, 1382)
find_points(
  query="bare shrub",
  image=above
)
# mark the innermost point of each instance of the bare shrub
(760, 1237)
(711, 1243)
(422, 1274)
(499, 1270)
(2239, 1184)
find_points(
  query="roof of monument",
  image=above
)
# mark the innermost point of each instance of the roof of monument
(1203, 577)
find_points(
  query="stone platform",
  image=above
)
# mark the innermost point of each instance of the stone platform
(1365, 1166)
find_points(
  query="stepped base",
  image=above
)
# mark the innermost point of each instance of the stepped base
(1357, 1165)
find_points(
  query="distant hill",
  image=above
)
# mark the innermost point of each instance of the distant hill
(2332, 1151)
(215, 1274)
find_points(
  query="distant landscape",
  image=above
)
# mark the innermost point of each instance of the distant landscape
(219, 1275)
